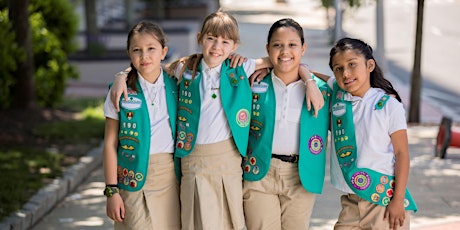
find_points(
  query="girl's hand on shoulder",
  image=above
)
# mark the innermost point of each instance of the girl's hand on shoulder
(395, 213)
(258, 75)
(115, 208)
(236, 60)
(119, 87)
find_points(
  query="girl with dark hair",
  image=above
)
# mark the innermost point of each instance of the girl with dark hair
(285, 161)
(369, 133)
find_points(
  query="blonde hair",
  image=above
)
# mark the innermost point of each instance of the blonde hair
(216, 24)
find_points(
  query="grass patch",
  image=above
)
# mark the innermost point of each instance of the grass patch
(24, 172)
(27, 169)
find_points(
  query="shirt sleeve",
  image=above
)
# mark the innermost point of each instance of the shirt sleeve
(109, 109)
(330, 82)
(249, 66)
(397, 116)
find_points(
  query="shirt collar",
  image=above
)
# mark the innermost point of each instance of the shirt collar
(205, 68)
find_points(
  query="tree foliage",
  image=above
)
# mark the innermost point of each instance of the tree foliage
(54, 26)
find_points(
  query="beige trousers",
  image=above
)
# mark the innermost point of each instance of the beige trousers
(278, 201)
(358, 213)
(211, 188)
(156, 206)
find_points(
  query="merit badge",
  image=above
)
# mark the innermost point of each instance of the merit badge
(315, 144)
(242, 118)
(255, 170)
(375, 197)
(380, 188)
(139, 176)
(385, 201)
(132, 103)
(361, 180)
(384, 179)
(247, 168)
(339, 109)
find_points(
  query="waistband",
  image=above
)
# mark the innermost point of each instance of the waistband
(293, 158)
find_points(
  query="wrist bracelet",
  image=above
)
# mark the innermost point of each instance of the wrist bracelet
(111, 185)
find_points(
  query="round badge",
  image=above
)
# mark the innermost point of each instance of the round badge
(389, 192)
(126, 181)
(180, 144)
(133, 183)
(384, 179)
(380, 188)
(361, 180)
(188, 146)
(255, 170)
(125, 172)
(315, 144)
(242, 118)
(131, 174)
(252, 160)
(245, 159)
(181, 135)
(392, 183)
(247, 168)
(385, 201)
(139, 176)
(190, 137)
(375, 197)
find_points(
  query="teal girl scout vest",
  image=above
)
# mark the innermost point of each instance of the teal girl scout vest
(312, 142)
(134, 135)
(368, 184)
(235, 94)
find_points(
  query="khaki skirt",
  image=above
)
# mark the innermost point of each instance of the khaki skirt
(211, 188)
(156, 206)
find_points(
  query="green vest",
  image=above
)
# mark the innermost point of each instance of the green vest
(312, 139)
(368, 184)
(235, 94)
(134, 136)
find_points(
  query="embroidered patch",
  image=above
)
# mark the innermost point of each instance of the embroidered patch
(389, 193)
(260, 87)
(380, 188)
(252, 161)
(187, 146)
(181, 135)
(406, 203)
(132, 103)
(130, 115)
(180, 145)
(375, 197)
(315, 144)
(242, 118)
(339, 109)
(384, 179)
(139, 176)
(190, 137)
(385, 201)
(247, 168)
(133, 183)
(361, 180)
(255, 170)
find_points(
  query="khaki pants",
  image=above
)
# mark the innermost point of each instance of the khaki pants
(278, 201)
(358, 213)
(211, 188)
(156, 206)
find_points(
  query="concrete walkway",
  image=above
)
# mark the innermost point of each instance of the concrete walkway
(434, 183)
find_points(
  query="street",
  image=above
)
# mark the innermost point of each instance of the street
(440, 50)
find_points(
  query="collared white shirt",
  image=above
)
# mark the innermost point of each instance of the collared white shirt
(289, 102)
(373, 130)
(161, 140)
(213, 126)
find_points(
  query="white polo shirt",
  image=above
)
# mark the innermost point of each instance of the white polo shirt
(289, 102)
(161, 140)
(213, 126)
(373, 130)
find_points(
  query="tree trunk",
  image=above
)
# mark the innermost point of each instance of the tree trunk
(94, 44)
(24, 89)
(416, 83)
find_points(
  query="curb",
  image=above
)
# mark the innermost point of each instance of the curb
(46, 198)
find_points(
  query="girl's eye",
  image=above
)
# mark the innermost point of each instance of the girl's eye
(352, 64)
(135, 50)
(292, 45)
(338, 69)
(276, 45)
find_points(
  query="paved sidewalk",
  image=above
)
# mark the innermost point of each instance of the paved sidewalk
(434, 183)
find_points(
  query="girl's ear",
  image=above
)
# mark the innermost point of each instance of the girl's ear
(164, 52)
(370, 65)
(198, 37)
(304, 48)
